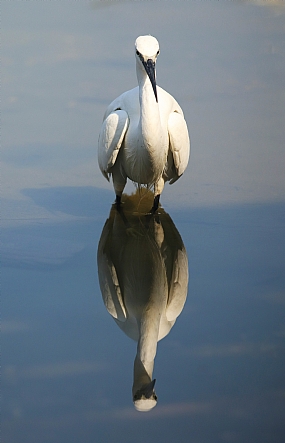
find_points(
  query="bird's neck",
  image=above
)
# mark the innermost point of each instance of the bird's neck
(146, 349)
(150, 123)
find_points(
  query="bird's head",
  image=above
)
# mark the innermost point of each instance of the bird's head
(147, 50)
(145, 398)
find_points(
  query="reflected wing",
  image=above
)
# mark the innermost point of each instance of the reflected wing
(108, 279)
(111, 290)
(179, 143)
(178, 286)
(110, 139)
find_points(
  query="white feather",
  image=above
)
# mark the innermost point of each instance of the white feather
(144, 139)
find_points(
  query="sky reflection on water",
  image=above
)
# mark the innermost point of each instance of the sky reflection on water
(67, 369)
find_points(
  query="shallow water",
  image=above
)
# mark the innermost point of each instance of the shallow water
(67, 369)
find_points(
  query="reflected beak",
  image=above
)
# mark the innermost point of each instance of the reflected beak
(150, 70)
(148, 389)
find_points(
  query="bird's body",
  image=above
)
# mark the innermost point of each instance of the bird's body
(143, 276)
(144, 136)
(144, 152)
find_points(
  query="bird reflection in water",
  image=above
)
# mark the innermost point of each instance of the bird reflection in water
(143, 275)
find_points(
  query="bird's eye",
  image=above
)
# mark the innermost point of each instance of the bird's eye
(157, 52)
(137, 52)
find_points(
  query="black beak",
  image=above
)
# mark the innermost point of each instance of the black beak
(150, 70)
(148, 389)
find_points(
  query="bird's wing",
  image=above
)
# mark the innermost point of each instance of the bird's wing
(179, 143)
(178, 286)
(111, 292)
(108, 278)
(110, 139)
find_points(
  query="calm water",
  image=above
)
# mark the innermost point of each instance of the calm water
(67, 369)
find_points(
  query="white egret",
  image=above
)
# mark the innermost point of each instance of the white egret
(143, 276)
(144, 136)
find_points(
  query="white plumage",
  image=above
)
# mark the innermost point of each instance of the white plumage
(144, 136)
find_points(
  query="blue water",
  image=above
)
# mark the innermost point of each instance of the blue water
(68, 368)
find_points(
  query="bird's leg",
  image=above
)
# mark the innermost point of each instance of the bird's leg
(158, 188)
(118, 202)
(155, 204)
(119, 182)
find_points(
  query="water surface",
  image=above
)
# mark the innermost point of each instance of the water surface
(67, 369)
